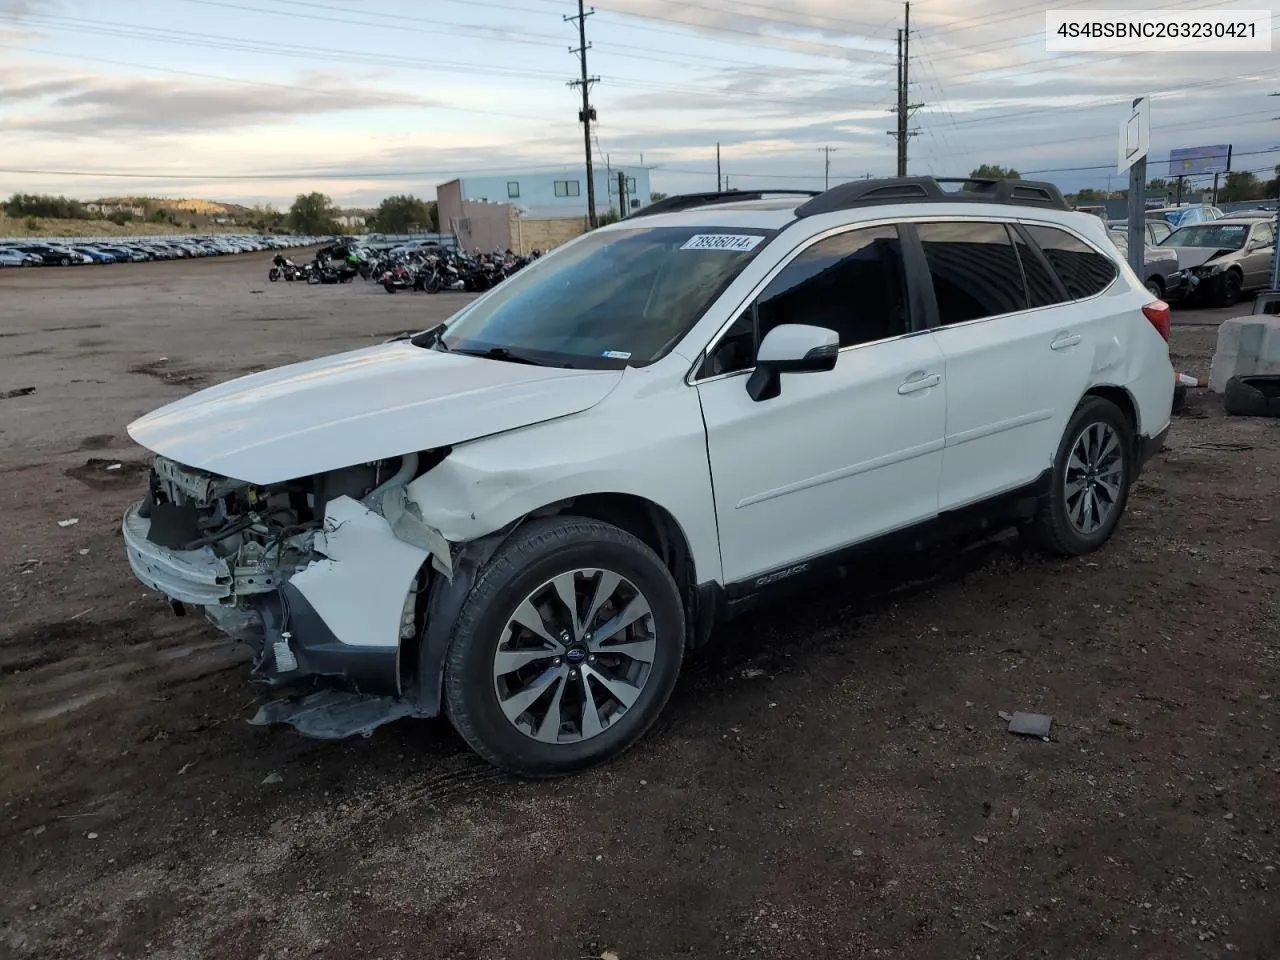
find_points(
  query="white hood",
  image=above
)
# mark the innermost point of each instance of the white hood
(356, 407)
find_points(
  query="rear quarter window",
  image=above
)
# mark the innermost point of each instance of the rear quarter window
(1084, 271)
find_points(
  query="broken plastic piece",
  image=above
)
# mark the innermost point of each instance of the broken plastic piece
(335, 714)
(1028, 724)
(71, 522)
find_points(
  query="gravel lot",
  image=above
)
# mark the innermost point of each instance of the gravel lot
(830, 779)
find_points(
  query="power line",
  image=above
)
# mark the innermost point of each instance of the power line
(356, 100)
(297, 51)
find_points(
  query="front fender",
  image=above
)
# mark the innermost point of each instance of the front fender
(655, 451)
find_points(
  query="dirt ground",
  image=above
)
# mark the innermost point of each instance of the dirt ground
(831, 779)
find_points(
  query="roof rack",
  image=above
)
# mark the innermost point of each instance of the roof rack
(864, 193)
(688, 201)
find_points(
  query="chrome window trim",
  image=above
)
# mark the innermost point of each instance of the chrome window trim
(759, 288)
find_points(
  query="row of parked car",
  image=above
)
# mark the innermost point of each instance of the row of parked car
(1220, 257)
(67, 253)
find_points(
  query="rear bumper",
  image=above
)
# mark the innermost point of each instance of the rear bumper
(1150, 447)
(1176, 287)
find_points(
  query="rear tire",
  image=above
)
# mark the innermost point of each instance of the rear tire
(1155, 288)
(545, 707)
(1089, 488)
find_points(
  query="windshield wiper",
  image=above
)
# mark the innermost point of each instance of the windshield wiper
(507, 355)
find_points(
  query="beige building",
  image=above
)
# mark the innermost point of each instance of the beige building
(482, 225)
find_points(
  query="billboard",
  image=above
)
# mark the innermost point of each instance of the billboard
(1192, 161)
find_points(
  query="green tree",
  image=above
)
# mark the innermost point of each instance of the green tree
(313, 213)
(993, 171)
(1241, 185)
(1089, 195)
(120, 217)
(656, 195)
(40, 205)
(402, 213)
(1158, 186)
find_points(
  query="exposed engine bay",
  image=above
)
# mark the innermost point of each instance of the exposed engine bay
(296, 570)
(264, 534)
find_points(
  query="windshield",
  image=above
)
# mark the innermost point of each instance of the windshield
(1219, 236)
(614, 298)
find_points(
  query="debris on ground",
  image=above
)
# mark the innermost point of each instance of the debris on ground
(19, 392)
(1028, 724)
(69, 522)
(272, 777)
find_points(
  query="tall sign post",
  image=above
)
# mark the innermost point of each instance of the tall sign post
(1135, 142)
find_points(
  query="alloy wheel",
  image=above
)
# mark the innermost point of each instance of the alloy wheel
(574, 656)
(1094, 473)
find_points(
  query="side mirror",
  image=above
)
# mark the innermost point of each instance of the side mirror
(791, 348)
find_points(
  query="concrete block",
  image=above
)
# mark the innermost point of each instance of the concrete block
(1246, 345)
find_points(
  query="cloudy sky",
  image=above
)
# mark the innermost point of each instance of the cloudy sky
(257, 100)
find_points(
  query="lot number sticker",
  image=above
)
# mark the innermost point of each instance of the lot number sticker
(733, 242)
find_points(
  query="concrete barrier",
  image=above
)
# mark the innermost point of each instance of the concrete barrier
(1246, 345)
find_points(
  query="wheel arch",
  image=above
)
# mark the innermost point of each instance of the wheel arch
(1127, 405)
(646, 520)
(1122, 398)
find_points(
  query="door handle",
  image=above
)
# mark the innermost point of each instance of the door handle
(1065, 341)
(919, 381)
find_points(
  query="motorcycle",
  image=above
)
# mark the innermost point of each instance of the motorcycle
(399, 277)
(283, 267)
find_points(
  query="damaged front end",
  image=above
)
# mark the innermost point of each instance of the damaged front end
(323, 586)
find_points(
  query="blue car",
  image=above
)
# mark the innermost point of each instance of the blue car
(94, 254)
(1182, 216)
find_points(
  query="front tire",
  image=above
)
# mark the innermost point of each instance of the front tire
(1227, 290)
(273, 274)
(566, 649)
(1090, 486)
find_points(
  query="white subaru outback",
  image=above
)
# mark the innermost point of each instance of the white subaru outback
(525, 517)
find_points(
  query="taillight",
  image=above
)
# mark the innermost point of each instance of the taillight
(1158, 313)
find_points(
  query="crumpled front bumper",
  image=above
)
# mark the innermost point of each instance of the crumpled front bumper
(198, 577)
(301, 631)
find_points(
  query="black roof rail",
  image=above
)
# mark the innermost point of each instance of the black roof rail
(864, 193)
(688, 201)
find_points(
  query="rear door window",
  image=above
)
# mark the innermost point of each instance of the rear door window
(975, 270)
(1043, 286)
(1084, 271)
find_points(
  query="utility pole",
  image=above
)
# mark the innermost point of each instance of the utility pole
(904, 108)
(622, 193)
(826, 173)
(717, 166)
(587, 113)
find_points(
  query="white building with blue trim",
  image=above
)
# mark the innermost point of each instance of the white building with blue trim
(562, 191)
